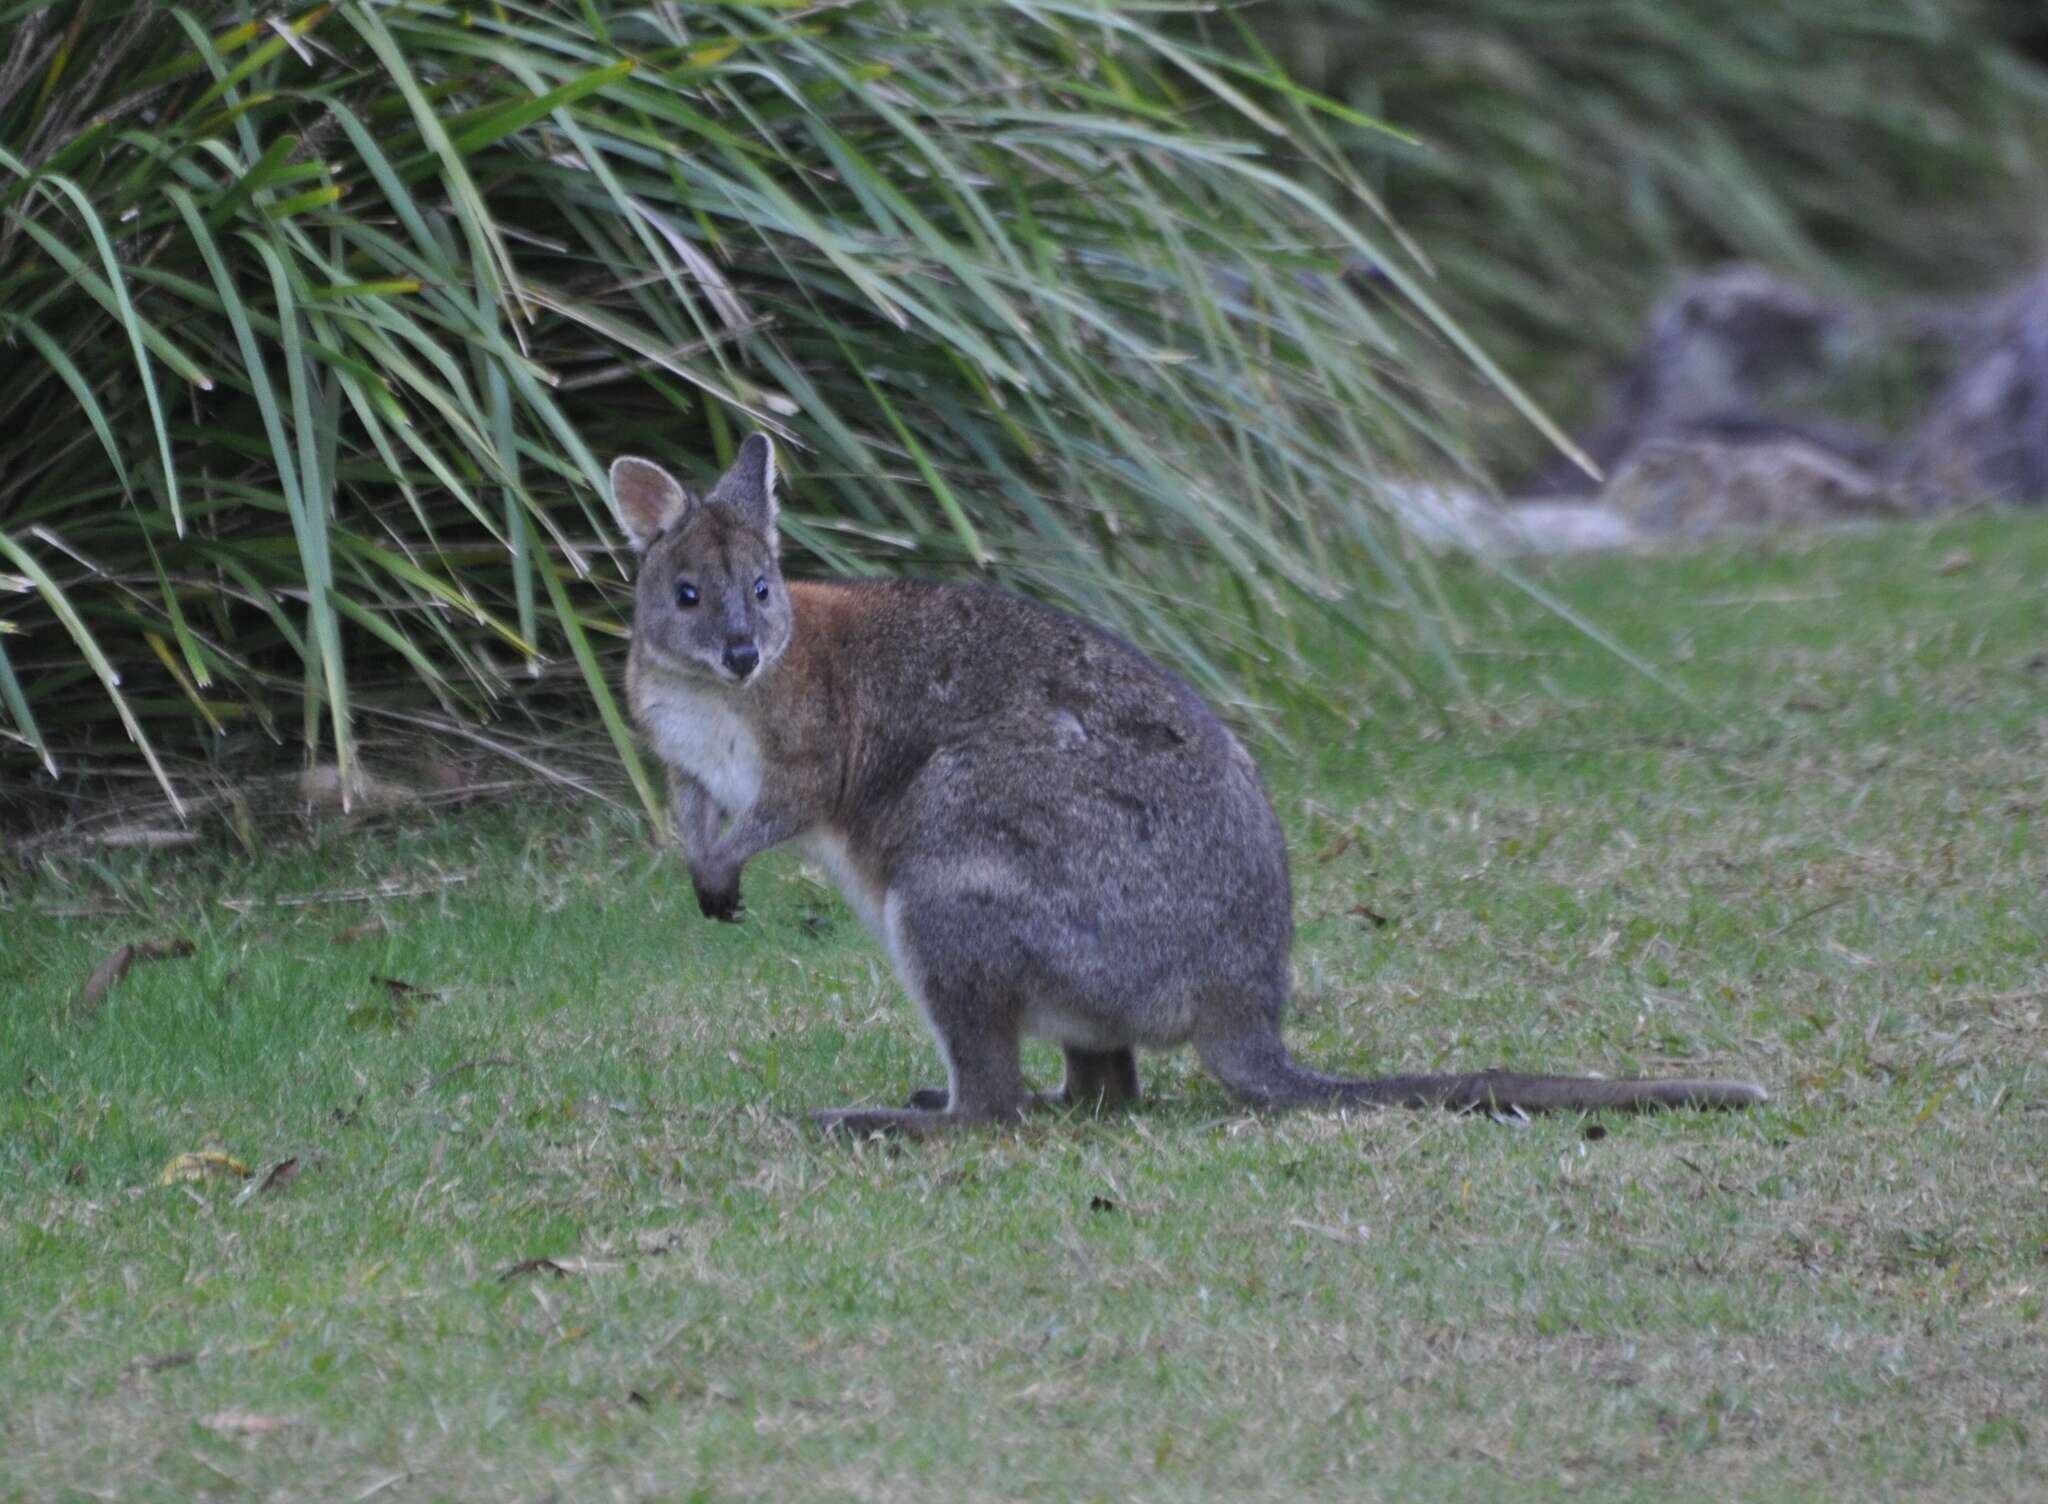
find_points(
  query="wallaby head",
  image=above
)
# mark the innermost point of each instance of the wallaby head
(711, 598)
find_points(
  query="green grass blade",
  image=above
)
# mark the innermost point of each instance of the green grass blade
(16, 704)
(89, 649)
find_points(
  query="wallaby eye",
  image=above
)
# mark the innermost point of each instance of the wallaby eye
(686, 594)
(761, 590)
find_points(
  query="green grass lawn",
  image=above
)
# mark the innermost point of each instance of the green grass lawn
(1827, 874)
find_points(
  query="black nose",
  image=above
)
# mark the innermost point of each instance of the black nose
(742, 658)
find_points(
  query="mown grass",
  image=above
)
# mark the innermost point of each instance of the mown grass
(1827, 872)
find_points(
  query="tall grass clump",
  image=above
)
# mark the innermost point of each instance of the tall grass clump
(320, 325)
(1567, 160)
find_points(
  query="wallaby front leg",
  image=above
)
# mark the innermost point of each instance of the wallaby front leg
(716, 874)
(697, 817)
(693, 813)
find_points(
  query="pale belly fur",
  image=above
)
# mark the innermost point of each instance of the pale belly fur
(827, 848)
(701, 735)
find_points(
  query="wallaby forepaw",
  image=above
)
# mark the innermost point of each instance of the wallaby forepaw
(722, 904)
(930, 1099)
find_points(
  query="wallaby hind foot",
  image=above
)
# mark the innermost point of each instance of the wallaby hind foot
(899, 1122)
(1100, 1080)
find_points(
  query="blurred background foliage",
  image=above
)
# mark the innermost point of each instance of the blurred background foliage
(1570, 157)
(318, 324)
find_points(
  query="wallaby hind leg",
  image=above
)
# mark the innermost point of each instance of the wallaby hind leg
(987, 1072)
(976, 1024)
(1099, 1078)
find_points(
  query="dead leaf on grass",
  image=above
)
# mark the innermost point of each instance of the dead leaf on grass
(531, 1266)
(158, 1362)
(395, 1013)
(244, 1422)
(559, 1268)
(361, 931)
(1956, 562)
(1360, 911)
(204, 1164)
(276, 1178)
(107, 976)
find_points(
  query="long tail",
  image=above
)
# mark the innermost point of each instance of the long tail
(1260, 1071)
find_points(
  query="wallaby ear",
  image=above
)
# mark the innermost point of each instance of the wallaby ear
(649, 499)
(748, 488)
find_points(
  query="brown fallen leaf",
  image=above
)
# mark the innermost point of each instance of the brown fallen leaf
(361, 931)
(158, 1362)
(205, 1164)
(107, 976)
(1360, 911)
(243, 1422)
(398, 987)
(1956, 562)
(559, 1268)
(276, 1178)
(531, 1266)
